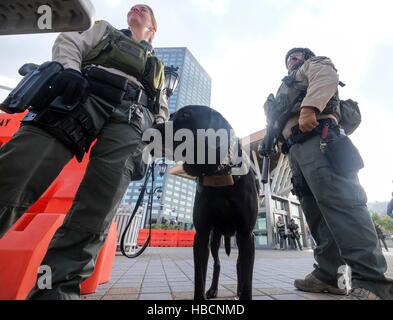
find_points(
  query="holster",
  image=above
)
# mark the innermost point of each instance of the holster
(300, 187)
(75, 126)
(344, 157)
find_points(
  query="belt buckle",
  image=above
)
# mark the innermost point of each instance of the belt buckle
(138, 96)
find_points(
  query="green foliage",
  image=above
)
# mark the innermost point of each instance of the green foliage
(165, 226)
(387, 224)
(384, 221)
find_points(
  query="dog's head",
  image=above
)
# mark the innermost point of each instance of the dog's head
(200, 137)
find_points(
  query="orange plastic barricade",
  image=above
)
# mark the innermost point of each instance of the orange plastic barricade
(21, 251)
(24, 246)
(142, 236)
(186, 238)
(9, 124)
(103, 269)
(167, 238)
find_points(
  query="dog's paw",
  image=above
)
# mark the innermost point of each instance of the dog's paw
(211, 294)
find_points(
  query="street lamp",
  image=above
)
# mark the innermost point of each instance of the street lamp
(162, 168)
(171, 80)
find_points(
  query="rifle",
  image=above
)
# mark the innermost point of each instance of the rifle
(276, 121)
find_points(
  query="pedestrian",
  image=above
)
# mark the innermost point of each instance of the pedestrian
(381, 236)
(280, 226)
(294, 235)
(390, 208)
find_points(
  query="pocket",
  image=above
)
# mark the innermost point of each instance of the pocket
(135, 164)
(344, 157)
(129, 59)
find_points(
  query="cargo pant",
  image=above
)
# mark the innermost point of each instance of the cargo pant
(30, 162)
(336, 212)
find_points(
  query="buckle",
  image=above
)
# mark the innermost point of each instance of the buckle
(139, 92)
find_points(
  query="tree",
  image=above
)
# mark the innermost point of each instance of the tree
(385, 222)
(375, 217)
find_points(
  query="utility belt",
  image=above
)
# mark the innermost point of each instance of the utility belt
(341, 153)
(299, 137)
(116, 89)
(79, 125)
(75, 127)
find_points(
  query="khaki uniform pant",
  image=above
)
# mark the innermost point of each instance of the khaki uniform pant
(30, 162)
(336, 212)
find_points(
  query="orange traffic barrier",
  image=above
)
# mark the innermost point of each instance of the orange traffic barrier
(9, 124)
(103, 269)
(24, 246)
(22, 249)
(167, 238)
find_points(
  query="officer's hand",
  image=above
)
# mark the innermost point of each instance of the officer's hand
(308, 119)
(71, 86)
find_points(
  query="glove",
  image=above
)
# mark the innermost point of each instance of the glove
(308, 119)
(71, 86)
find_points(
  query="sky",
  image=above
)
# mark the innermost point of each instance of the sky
(242, 46)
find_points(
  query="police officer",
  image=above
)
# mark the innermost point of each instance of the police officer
(389, 210)
(281, 233)
(381, 236)
(334, 204)
(96, 63)
(294, 235)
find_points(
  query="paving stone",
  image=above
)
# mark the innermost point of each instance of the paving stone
(172, 269)
(273, 291)
(154, 284)
(319, 296)
(288, 297)
(182, 289)
(183, 295)
(123, 291)
(120, 297)
(262, 298)
(155, 296)
(155, 290)
(92, 297)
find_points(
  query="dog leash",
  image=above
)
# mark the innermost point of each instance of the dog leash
(150, 172)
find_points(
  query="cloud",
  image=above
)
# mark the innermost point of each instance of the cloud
(242, 46)
(114, 3)
(216, 7)
(8, 82)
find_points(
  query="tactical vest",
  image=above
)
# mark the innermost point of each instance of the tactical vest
(120, 52)
(292, 92)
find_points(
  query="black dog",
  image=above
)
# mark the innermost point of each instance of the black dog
(215, 243)
(225, 202)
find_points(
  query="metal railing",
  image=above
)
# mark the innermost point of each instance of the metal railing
(132, 234)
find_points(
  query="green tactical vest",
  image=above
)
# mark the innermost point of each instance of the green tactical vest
(292, 92)
(120, 52)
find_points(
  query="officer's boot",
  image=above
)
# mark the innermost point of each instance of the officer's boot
(312, 284)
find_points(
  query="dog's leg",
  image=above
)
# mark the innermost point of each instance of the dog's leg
(201, 258)
(215, 243)
(246, 245)
(239, 276)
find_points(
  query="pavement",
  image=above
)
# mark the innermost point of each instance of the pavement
(167, 274)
